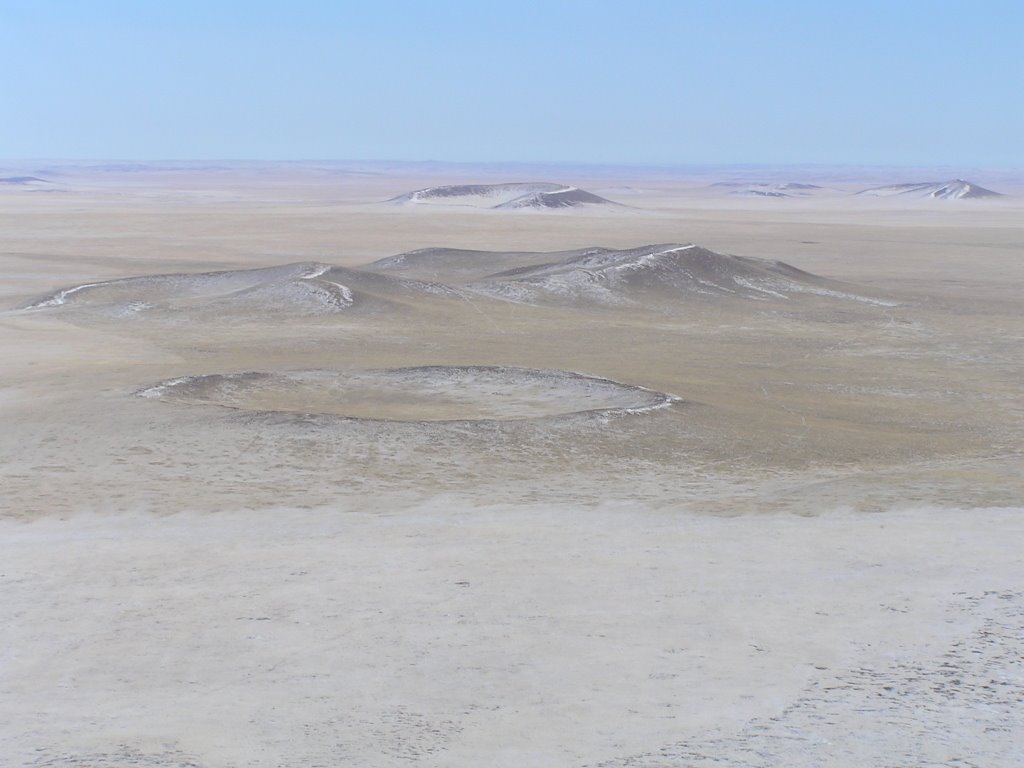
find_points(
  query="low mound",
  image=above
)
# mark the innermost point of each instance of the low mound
(758, 193)
(302, 289)
(438, 279)
(464, 193)
(957, 189)
(508, 196)
(570, 197)
(458, 266)
(421, 394)
(767, 189)
(298, 287)
(796, 185)
(657, 272)
(307, 295)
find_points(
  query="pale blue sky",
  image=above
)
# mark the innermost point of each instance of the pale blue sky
(904, 82)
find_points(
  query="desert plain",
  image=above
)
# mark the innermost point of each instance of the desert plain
(297, 471)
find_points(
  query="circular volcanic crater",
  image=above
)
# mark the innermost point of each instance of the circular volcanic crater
(420, 394)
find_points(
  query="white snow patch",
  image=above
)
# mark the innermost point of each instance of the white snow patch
(316, 271)
(61, 297)
(798, 288)
(158, 390)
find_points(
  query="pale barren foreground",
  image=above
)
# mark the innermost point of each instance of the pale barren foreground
(778, 520)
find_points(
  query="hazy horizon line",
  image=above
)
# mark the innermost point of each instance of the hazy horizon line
(508, 163)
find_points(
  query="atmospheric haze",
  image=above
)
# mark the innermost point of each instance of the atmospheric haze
(362, 464)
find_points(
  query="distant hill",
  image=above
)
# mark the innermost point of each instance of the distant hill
(758, 193)
(957, 189)
(508, 196)
(570, 197)
(23, 181)
(767, 189)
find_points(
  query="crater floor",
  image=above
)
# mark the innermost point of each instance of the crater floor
(426, 393)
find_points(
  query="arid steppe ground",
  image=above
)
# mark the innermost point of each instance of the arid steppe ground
(808, 555)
